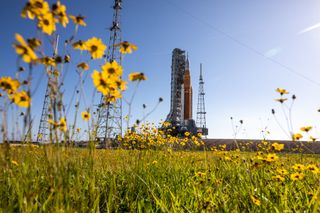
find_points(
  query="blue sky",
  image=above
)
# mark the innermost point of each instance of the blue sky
(247, 48)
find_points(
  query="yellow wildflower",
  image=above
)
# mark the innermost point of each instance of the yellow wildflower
(67, 58)
(27, 12)
(78, 20)
(126, 47)
(299, 167)
(79, 45)
(278, 146)
(59, 10)
(296, 136)
(278, 178)
(35, 8)
(56, 73)
(63, 124)
(200, 174)
(122, 85)
(96, 47)
(47, 61)
(137, 76)
(113, 96)
(271, 158)
(187, 134)
(255, 200)
(282, 172)
(85, 115)
(227, 158)
(312, 195)
(51, 121)
(83, 66)
(14, 162)
(47, 23)
(297, 176)
(313, 139)
(39, 7)
(24, 50)
(306, 128)
(22, 99)
(9, 84)
(101, 82)
(166, 124)
(313, 168)
(112, 68)
(282, 91)
(34, 43)
(281, 100)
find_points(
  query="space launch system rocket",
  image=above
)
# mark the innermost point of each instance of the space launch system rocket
(187, 114)
(180, 114)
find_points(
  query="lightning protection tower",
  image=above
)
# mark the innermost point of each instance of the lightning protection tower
(50, 104)
(44, 128)
(201, 111)
(109, 124)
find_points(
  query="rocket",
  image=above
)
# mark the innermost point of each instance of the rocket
(187, 114)
(180, 114)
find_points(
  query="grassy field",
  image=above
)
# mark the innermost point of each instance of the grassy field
(151, 170)
(61, 179)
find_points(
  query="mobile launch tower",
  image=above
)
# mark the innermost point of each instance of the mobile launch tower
(180, 115)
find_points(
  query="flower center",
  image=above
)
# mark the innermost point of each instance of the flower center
(125, 45)
(111, 70)
(46, 22)
(94, 48)
(79, 19)
(39, 4)
(103, 82)
(23, 98)
(8, 86)
(25, 50)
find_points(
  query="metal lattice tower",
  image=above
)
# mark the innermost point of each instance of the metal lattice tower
(44, 128)
(178, 67)
(50, 104)
(201, 111)
(109, 123)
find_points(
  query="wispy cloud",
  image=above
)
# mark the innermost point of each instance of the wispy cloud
(273, 52)
(308, 29)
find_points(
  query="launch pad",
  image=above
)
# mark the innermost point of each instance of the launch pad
(180, 115)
